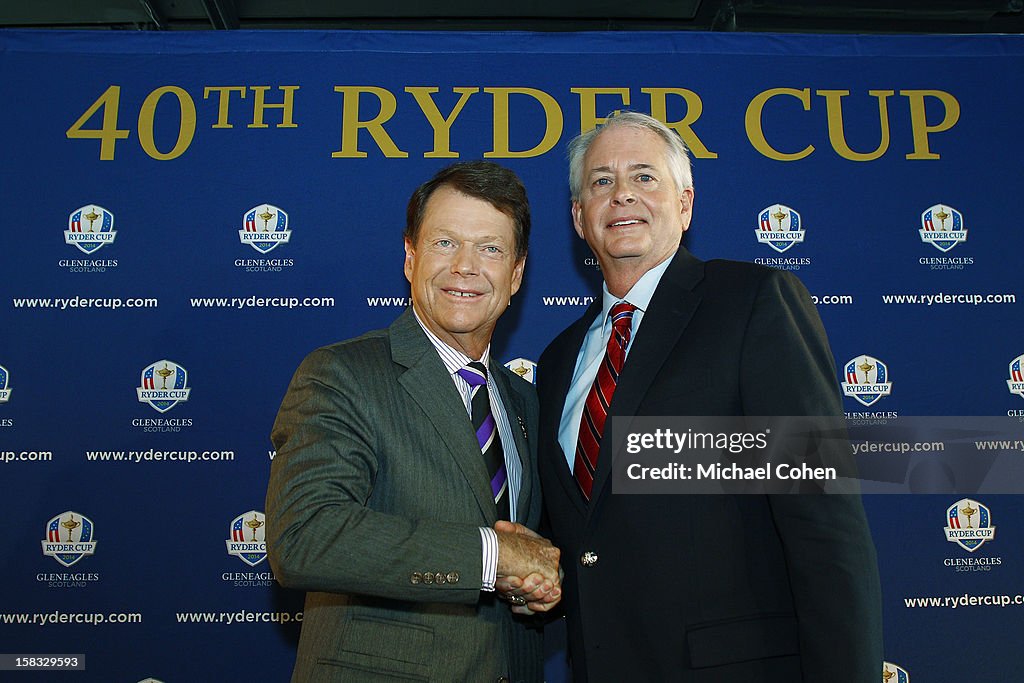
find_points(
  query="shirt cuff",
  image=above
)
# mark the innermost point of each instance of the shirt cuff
(489, 539)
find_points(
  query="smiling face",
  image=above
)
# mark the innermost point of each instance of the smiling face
(629, 210)
(462, 269)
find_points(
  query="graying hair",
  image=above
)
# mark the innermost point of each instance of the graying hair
(675, 149)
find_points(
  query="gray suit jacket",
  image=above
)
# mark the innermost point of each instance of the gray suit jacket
(375, 500)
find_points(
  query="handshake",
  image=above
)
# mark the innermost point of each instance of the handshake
(529, 575)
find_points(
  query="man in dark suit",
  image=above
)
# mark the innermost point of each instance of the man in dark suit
(723, 588)
(399, 451)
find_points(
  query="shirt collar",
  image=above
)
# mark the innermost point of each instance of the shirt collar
(453, 359)
(639, 294)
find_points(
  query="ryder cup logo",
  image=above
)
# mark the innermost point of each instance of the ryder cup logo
(867, 379)
(970, 524)
(248, 542)
(779, 227)
(942, 227)
(526, 369)
(1015, 383)
(264, 227)
(5, 390)
(894, 673)
(164, 384)
(89, 228)
(69, 538)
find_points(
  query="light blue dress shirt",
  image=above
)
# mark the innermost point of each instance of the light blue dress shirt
(595, 342)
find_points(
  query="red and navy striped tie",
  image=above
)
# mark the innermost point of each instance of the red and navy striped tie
(487, 435)
(595, 409)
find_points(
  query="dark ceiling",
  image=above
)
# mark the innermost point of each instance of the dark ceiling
(819, 16)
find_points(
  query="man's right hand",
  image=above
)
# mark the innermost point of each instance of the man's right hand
(522, 552)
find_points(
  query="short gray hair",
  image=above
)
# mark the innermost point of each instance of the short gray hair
(675, 149)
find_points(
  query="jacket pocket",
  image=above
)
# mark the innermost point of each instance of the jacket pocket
(385, 647)
(741, 640)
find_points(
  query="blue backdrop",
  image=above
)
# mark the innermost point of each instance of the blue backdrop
(187, 215)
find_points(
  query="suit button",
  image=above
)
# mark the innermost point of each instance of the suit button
(415, 577)
(502, 679)
(453, 577)
(428, 577)
(588, 559)
(440, 577)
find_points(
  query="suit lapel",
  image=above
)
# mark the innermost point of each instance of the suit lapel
(560, 378)
(665, 320)
(431, 388)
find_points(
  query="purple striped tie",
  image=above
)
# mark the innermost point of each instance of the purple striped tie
(487, 435)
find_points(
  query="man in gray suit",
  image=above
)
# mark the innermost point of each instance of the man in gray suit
(386, 492)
